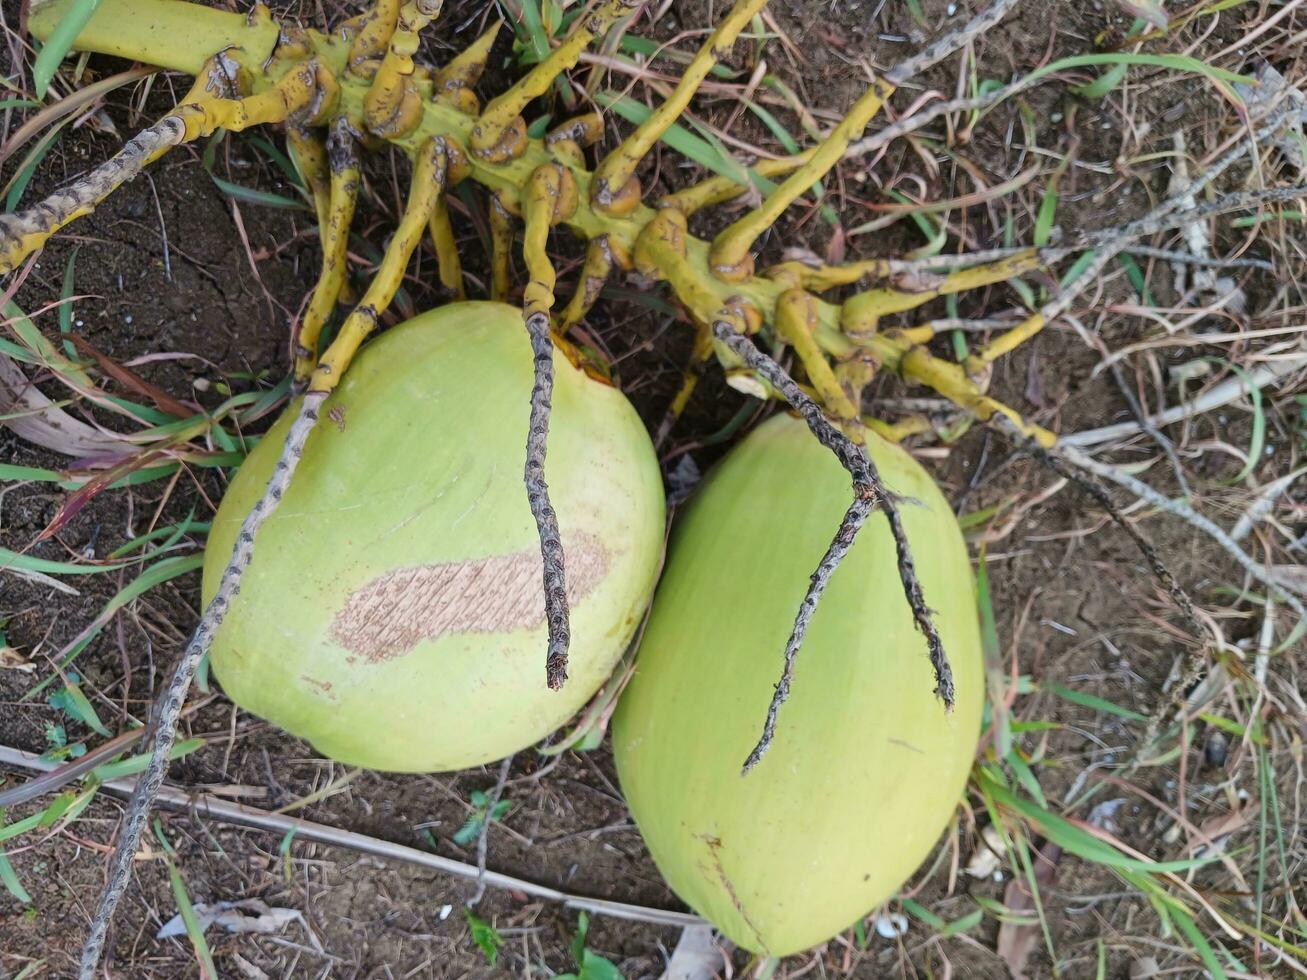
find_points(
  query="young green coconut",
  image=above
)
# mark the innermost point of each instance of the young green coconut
(393, 614)
(865, 766)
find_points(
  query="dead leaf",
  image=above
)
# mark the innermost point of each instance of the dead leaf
(247, 969)
(1221, 828)
(132, 381)
(697, 956)
(1145, 967)
(36, 419)
(247, 915)
(988, 854)
(1016, 941)
(11, 659)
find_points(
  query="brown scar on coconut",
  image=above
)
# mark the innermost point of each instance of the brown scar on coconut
(391, 614)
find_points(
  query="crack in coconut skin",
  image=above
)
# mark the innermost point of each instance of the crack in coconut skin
(394, 612)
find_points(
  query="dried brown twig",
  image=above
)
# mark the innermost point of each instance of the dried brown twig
(868, 492)
(537, 495)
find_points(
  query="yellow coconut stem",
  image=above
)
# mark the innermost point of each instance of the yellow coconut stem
(699, 355)
(428, 184)
(448, 266)
(309, 154)
(863, 310)
(501, 247)
(334, 233)
(951, 381)
(796, 316)
(453, 83)
(496, 134)
(372, 38)
(730, 257)
(618, 168)
(1009, 341)
(594, 273)
(392, 105)
(719, 190)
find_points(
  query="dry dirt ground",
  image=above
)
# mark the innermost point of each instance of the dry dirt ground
(174, 267)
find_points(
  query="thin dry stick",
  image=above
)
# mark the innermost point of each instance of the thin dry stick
(950, 42)
(1162, 218)
(1151, 430)
(483, 837)
(1216, 397)
(237, 814)
(1195, 660)
(168, 707)
(1186, 513)
(537, 494)
(1200, 260)
(868, 491)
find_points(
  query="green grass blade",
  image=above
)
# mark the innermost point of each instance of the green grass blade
(9, 878)
(75, 703)
(61, 40)
(23, 176)
(137, 763)
(1072, 838)
(66, 306)
(703, 152)
(1176, 62)
(1186, 925)
(208, 971)
(1089, 701)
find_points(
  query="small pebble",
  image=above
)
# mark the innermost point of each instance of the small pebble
(1216, 749)
(1145, 967)
(891, 926)
(444, 912)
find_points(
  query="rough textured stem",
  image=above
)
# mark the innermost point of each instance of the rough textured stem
(1195, 660)
(852, 522)
(537, 494)
(24, 232)
(333, 234)
(950, 42)
(868, 492)
(1186, 513)
(168, 707)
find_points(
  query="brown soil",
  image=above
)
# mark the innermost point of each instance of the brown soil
(1075, 604)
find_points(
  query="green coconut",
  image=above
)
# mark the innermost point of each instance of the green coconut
(867, 765)
(393, 614)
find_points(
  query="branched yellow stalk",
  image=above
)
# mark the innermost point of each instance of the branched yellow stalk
(429, 172)
(612, 189)
(342, 196)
